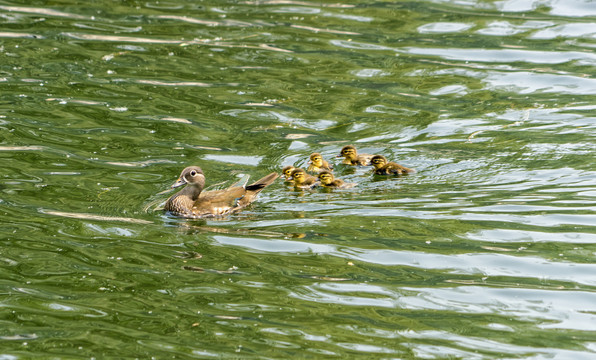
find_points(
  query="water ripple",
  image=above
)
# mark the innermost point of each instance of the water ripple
(486, 252)
(505, 55)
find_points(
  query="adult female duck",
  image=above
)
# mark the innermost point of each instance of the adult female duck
(192, 202)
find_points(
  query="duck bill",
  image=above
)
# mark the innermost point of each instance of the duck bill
(178, 183)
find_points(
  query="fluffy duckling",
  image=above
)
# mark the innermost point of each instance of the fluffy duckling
(287, 172)
(318, 164)
(192, 202)
(351, 156)
(302, 179)
(382, 167)
(328, 180)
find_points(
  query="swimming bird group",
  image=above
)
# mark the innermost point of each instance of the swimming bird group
(193, 202)
(325, 178)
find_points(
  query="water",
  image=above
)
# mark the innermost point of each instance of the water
(486, 253)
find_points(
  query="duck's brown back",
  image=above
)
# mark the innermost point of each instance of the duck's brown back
(223, 202)
(392, 168)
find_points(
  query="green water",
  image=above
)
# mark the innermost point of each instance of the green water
(487, 252)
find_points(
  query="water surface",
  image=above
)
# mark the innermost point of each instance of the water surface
(487, 252)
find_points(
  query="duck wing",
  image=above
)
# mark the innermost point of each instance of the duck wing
(223, 202)
(218, 202)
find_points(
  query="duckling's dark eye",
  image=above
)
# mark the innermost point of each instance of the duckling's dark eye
(193, 173)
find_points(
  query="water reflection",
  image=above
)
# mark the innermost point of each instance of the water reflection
(485, 253)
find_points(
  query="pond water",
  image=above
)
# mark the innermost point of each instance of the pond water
(487, 252)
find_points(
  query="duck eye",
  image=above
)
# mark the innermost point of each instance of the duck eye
(193, 173)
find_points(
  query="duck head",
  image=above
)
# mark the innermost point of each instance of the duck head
(326, 178)
(316, 159)
(192, 176)
(287, 171)
(299, 176)
(378, 161)
(349, 152)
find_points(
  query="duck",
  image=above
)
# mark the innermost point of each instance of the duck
(193, 202)
(382, 167)
(287, 172)
(302, 179)
(327, 179)
(318, 164)
(351, 156)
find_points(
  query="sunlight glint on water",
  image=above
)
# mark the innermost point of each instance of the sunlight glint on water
(486, 252)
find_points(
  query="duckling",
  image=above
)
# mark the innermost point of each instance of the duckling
(302, 179)
(353, 158)
(327, 180)
(192, 202)
(287, 172)
(318, 164)
(382, 167)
